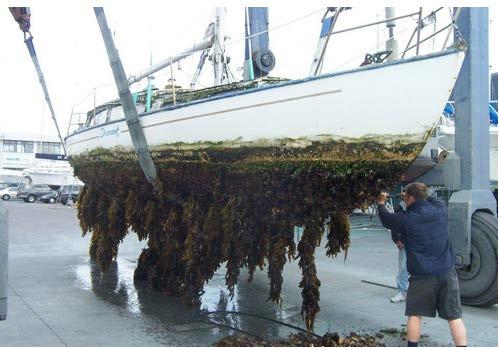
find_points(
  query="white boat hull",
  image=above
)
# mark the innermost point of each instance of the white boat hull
(52, 179)
(396, 99)
(10, 176)
(53, 173)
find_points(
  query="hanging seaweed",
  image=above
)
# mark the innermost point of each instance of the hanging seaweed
(236, 204)
(338, 237)
(310, 284)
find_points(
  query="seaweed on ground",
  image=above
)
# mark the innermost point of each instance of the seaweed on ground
(303, 340)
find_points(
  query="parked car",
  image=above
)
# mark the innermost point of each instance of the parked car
(8, 193)
(4, 185)
(50, 197)
(31, 193)
(70, 191)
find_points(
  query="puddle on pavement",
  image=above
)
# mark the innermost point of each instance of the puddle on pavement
(117, 287)
(160, 314)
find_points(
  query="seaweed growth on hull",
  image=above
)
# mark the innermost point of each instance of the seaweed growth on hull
(237, 205)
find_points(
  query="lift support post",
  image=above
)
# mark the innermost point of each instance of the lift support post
(472, 206)
(472, 133)
(4, 260)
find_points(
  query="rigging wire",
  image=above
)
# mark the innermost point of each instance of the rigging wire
(190, 76)
(359, 57)
(92, 92)
(277, 27)
(230, 42)
(285, 24)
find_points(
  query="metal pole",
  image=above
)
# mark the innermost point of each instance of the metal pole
(419, 30)
(202, 60)
(391, 43)
(472, 132)
(372, 23)
(94, 103)
(248, 71)
(132, 119)
(409, 42)
(200, 46)
(427, 38)
(4, 260)
(416, 29)
(34, 58)
(454, 19)
(318, 68)
(149, 86)
(218, 51)
(172, 80)
(471, 95)
(70, 120)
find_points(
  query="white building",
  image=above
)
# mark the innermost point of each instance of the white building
(17, 150)
(18, 156)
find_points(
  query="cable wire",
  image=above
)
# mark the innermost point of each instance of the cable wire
(373, 47)
(265, 318)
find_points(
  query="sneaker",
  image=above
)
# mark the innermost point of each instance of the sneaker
(400, 297)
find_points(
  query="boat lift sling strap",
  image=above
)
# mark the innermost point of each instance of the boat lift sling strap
(22, 16)
(132, 119)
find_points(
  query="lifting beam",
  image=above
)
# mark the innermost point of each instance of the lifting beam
(132, 119)
(472, 210)
(4, 260)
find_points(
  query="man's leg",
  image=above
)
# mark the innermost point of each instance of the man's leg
(403, 278)
(413, 330)
(449, 307)
(458, 332)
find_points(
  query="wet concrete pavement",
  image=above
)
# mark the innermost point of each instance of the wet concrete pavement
(58, 296)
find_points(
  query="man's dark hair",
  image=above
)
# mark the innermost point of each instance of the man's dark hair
(417, 190)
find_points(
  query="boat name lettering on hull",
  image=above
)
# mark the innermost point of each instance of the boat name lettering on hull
(109, 132)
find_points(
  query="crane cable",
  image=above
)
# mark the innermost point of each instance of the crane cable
(22, 16)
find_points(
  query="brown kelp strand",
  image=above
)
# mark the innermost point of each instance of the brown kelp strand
(310, 284)
(276, 257)
(233, 206)
(338, 238)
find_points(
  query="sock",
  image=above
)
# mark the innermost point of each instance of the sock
(412, 344)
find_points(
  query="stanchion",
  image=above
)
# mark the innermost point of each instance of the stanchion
(4, 260)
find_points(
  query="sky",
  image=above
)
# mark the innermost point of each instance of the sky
(74, 61)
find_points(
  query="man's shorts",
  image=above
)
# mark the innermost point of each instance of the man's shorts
(428, 294)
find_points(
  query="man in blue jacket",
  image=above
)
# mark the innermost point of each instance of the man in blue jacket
(433, 283)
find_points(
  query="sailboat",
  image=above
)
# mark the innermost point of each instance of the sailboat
(279, 113)
(240, 165)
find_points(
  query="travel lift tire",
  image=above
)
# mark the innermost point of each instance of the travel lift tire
(478, 281)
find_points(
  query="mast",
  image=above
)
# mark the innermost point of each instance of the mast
(149, 87)
(218, 56)
(204, 44)
(391, 43)
(259, 60)
(248, 73)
